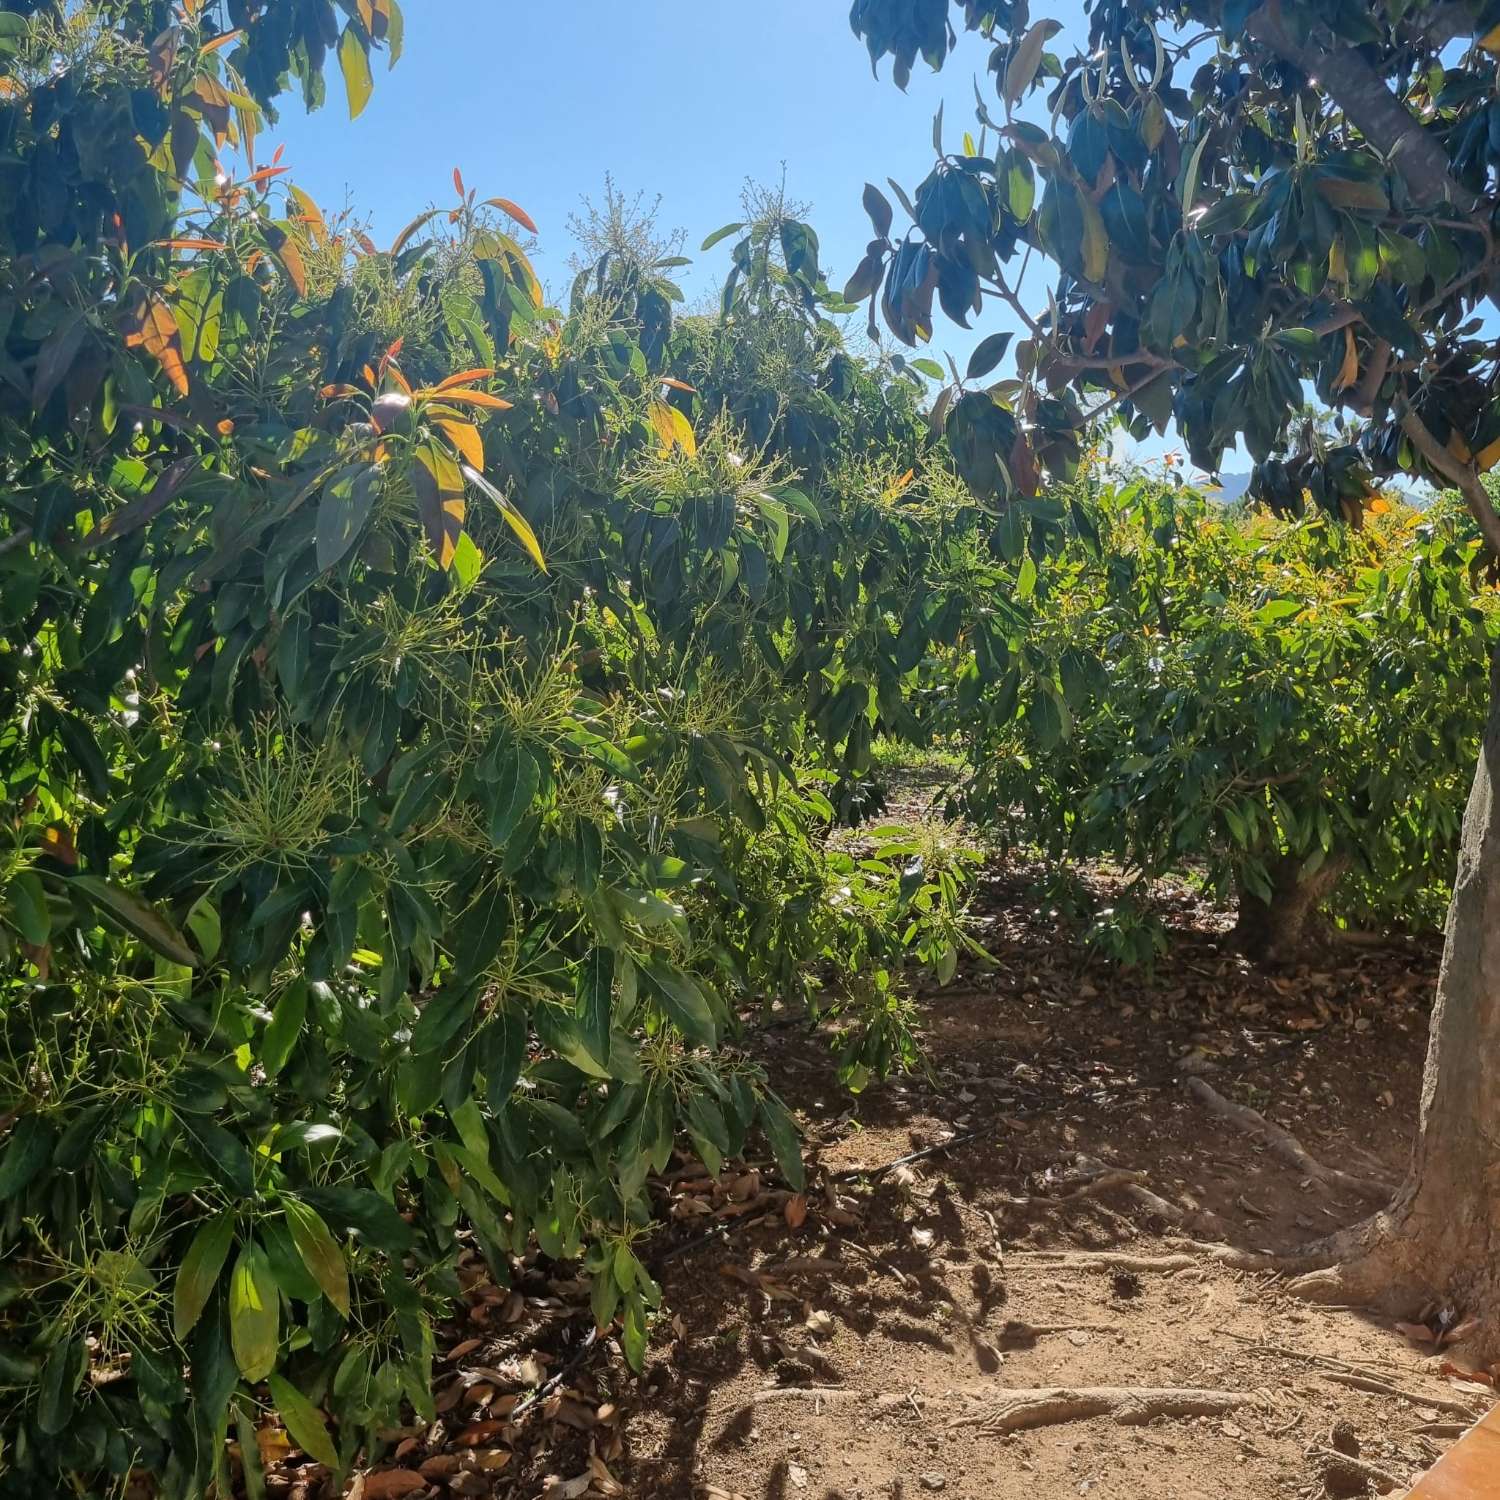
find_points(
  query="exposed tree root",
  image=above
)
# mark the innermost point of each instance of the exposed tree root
(1130, 1406)
(807, 1393)
(1284, 1144)
(1119, 1260)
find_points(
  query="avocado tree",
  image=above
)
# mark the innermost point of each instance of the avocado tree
(1244, 203)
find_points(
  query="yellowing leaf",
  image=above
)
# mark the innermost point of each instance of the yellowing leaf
(1349, 370)
(310, 213)
(320, 1254)
(354, 63)
(464, 377)
(150, 325)
(1487, 457)
(1490, 41)
(1095, 240)
(440, 499)
(516, 212)
(254, 1314)
(1028, 58)
(672, 429)
(465, 439)
(469, 398)
(513, 518)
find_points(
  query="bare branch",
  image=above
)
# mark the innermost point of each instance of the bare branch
(1465, 477)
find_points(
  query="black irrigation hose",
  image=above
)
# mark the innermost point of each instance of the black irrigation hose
(553, 1382)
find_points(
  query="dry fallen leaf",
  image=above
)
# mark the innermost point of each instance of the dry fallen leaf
(796, 1210)
(1458, 1372)
(391, 1484)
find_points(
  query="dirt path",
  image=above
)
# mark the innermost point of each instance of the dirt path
(871, 1341)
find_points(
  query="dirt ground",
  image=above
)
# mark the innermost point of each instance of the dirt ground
(867, 1340)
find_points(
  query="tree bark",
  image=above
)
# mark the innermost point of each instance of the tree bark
(1285, 930)
(1440, 1240)
(1370, 106)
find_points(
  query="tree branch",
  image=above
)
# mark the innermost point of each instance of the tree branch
(1465, 477)
(1370, 106)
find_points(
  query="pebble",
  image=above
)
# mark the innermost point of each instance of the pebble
(931, 1481)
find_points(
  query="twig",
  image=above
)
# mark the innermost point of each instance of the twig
(1377, 1387)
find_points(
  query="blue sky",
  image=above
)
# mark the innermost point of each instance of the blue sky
(685, 98)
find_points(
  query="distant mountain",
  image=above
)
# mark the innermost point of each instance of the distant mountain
(1228, 488)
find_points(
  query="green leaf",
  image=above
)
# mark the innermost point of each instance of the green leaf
(320, 1253)
(514, 792)
(28, 908)
(633, 1332)
(786, 1144)
(720, 234)
(683, 1001)
(203, 922)
(595, 988)
(989, 354)
(354, 62)
(254, 1313)
(62, 1374)
(285, 1027)
(26, 1153)
(199, 1272)
(142, 921)
(304, 1422)
(343, 512)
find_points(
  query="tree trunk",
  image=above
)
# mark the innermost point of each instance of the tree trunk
(1283, 931)
(1440, 1240)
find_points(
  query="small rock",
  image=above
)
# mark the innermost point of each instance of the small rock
(798, 1475)
(933, 1481)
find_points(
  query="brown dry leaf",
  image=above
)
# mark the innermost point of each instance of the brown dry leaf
(440, 1466)
(744, 1187)
(1458, 1372)
(795, 1211)
(567, 1489)
(467, 1347)
(492, 1459)
(604, 1481)
(573, 1414)
(479, 1434)
(391, 1484)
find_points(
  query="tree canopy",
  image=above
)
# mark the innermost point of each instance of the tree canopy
(1244, 202)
